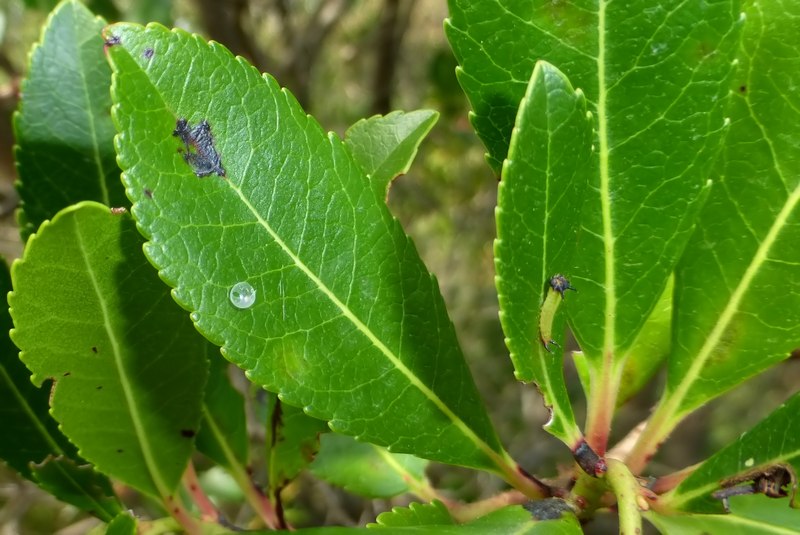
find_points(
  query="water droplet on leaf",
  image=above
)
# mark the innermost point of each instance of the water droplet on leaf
(242, 295)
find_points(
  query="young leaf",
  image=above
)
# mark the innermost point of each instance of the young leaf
(294, 438)
(416, 514)
(655, 77)
(346, 321)
(385, 146)
(750, 515)
(63, 129)
(538, 212)
(774, 441)
(369, 470)
(737, 314)
(90, 314)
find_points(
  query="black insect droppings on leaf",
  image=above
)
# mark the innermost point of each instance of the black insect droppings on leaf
(100, 387)
(112, 40)
(187, 433)
(94, 349)
(200, 152)
(148, 193)
(742, 89)
(67, 374)
(548, 509)
(148, 53)
(120, 450)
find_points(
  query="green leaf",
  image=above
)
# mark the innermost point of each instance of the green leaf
(294, 438)
(123, 524)
(30, 435)
(90, 313)
(79, 485)
(737, 314)
(750, 515)
(538, 212)
(650, 348)
(346, 323)
(655, 77)
(385, 146)
(63, 129)
(223, 432)
(774, 441)
(416, 514)
(428, 518)
(366, 469)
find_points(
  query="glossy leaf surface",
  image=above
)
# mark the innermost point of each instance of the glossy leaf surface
(366, 469)
(738, 284)
(385, 146)
(63, 129)
(129, 369)
(538, 213)
(655, 77)
(346, 323)
(774, 441)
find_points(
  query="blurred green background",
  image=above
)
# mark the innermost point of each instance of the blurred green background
(344, 60)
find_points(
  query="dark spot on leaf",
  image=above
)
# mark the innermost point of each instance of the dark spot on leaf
(112, 40)
(742, 89)
(100, 387)
(561, 284)
(199, 150)
(94, 349)
(120, 450)
(148, 193)
(148, 53)
(187, 433)
(548, 509)
(177, 510)
(66, 374)
(119, 210)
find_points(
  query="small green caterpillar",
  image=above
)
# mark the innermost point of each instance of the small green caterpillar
(558, 285)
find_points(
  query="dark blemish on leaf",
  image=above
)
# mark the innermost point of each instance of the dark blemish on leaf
(120, 450)
(589, 460)
(187, 433)
(548, 509)
(67, 374)
(561, 284)
(772, 481)
(200, 152)
(94, 349)
(99, 387)
(148, 53)
(148, 193)
(112, 40)
(119, 210)
(742, 89)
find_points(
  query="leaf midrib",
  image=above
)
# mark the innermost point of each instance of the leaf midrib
(367, 332)
(127, 389)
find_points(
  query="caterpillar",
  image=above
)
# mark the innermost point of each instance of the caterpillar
(555, 294)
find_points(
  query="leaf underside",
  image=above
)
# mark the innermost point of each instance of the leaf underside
(347, 323)
(128, 368)
(63, 129)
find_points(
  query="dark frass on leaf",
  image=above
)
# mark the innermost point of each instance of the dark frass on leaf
(558, 285)
(199, 152)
